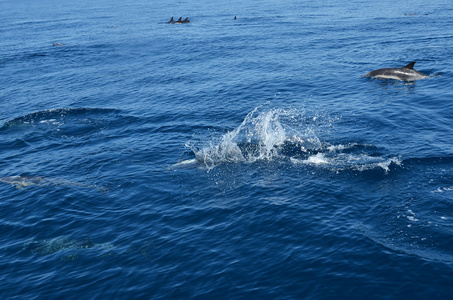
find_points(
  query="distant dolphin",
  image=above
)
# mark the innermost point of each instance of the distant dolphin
(180, 21)
(406, 73)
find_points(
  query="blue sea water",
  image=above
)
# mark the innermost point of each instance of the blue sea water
(225, 158)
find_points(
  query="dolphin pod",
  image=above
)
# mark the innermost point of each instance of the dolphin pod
(180, 21)
(406, 73)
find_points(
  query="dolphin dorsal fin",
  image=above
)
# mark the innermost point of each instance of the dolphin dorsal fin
(410, 65)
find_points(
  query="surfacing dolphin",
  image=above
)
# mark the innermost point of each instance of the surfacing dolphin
(406, 73)
(180, 21)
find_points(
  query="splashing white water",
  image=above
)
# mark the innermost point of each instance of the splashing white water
(267, 135)
(262, 136)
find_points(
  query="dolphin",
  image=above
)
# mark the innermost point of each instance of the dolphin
(21, 182)
(171, 21)
(181, 21)
(56, 244)
(185, 163)
(406, 73)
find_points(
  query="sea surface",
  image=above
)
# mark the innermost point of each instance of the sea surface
(225, 158)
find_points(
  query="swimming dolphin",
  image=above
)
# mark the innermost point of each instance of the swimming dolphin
(180, 21)
(21, 182)
(406, 73)
(56, 244)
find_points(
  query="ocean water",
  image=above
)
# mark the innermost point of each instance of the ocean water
(225, 158)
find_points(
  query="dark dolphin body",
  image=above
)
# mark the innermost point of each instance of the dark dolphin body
(406, 73)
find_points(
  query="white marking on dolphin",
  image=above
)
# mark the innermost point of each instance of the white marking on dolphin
(187, 164)
(406, 73)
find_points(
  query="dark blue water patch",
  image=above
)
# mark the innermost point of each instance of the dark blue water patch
(336, 186)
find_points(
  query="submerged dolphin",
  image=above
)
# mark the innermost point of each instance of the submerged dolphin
(406, 73)
(24, 181)
(56, 244)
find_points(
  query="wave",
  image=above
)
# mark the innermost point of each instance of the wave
(286, 135)
(55, 115)
(411, 235)
(61, 122)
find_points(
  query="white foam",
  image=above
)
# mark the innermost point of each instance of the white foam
(412, 216)
(443, 189)
(318, 159)
(53, 121)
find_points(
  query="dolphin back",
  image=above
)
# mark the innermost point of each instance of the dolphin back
(406, 73)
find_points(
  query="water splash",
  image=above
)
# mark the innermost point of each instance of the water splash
(288, 135)
(262, 136)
